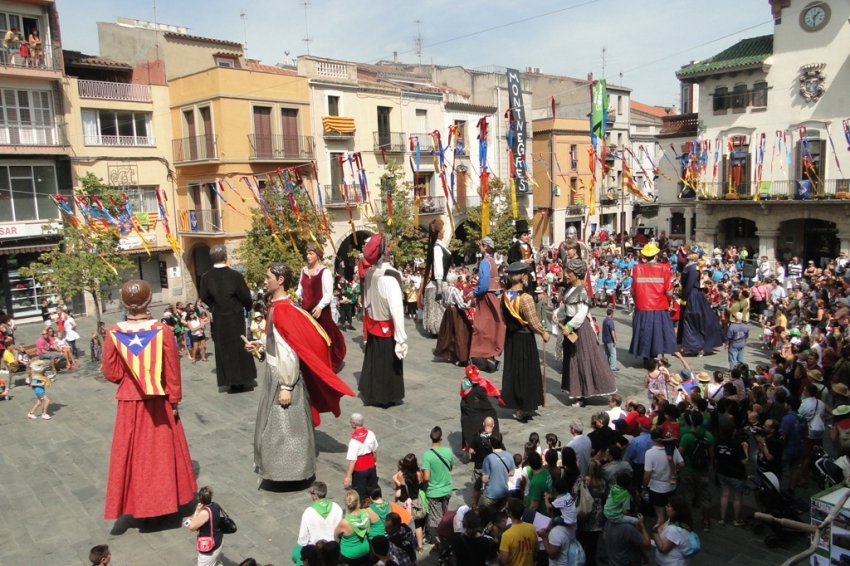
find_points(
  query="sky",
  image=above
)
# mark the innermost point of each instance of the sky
(645, 40)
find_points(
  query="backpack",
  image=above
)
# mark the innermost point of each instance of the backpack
(575, 554)
(844, 439)
(699, 453)
(694, 545)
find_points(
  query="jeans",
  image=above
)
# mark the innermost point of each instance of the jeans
(736, 356)
(611, 354)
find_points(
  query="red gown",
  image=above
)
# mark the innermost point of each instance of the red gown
(150, 470)
(311, 295)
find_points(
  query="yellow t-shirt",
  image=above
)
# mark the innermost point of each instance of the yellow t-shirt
(10, 360)
(519, 541)
(781, 320)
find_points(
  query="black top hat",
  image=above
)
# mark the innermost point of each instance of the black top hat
(521, 226)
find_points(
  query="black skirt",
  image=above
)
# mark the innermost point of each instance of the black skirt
(522, 380)
(382, 378)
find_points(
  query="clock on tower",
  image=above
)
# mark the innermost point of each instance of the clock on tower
(815, 16)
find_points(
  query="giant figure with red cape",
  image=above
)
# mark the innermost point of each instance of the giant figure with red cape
(150, 471)
(315, 291)
(299, 385)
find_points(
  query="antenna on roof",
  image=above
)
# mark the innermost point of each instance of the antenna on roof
(604, 60)
(244, 15)
(306, 39)
(418, 40)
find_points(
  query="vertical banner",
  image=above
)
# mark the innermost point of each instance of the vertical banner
(518, 124)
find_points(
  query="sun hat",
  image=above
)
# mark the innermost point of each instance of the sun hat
(815, 375)
(650, 250)
(840, 389)
(703, 377)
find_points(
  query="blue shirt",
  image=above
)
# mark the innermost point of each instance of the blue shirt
(737, 335)
(608, 330)
(793, 428)
(636, 453)
(626, 284)
(497, 473)
(611, 283)
(483, 278)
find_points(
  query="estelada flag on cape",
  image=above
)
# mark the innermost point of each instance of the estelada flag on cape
(142, 352)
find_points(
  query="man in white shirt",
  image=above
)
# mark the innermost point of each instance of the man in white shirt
(362, 458)
(580, 444)
(318, 521)
(657, 475)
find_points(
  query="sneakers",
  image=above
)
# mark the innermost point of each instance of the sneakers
(31, 416)
(45, 416)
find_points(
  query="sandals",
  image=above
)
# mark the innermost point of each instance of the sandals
(739, 523)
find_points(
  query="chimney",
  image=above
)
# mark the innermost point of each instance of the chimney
(590, 77)
(395, 56)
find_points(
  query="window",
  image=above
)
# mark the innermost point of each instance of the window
(737, 167)
(573, 157)
(620, 105)
(740, 97)
(333, 106)
(26, 118)
(225, 62)
(619, 140)
(645, 129)
(677, 223)
(460, 144)
(421, 121)
(27, 188)
(110, 127)
(760, 94)
(142, 199)
(685, 98)
(809, 163)
(721, 99)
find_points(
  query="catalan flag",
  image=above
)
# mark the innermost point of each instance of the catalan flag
(142, 352)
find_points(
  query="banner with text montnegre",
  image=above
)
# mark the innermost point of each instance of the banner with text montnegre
(518, 124)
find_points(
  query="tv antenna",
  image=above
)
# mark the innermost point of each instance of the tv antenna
(306, 39)
(604, 60)
(286, 57)
(244, 15)
(418, 40)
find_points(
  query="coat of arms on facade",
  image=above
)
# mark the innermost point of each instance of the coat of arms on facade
(812, 81)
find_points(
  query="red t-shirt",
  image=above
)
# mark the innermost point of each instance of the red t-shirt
(650, 287)
(670, 429)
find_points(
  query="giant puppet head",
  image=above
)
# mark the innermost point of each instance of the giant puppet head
(135, 295)
(572, 234)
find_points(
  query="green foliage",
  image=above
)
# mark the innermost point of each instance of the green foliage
(408, 240)
(501, 221)
(73, 267)
(258, 250)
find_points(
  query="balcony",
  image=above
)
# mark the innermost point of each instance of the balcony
(46, 66)
(776, 190)
(473, 200)
(432, 205)
(426, 142)
(124, 141)
(278, 147)
(101, 90)
(393, 142)
(334, 196)
(204, 221)
(32, 136)
(576, 210)
(195, 148)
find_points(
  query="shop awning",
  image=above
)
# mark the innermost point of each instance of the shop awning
(27, 249)
(141, 251)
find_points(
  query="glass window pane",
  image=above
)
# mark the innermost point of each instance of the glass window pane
(107, 124)
(149, 202)
(125, 123)
(45, 185)
(20, 171)
(24, 106)
(141, 125)
(24, 199)
(6, 205)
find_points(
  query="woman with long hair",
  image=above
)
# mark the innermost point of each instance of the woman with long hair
(590, 525)
(672, 539)
(407, 482)
(437, 263)
(569, 462)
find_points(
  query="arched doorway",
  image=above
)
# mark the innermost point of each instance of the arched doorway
(738, 232)
(345, 261)
(810, 239)
(201, 263)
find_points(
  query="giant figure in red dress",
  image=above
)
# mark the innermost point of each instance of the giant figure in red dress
(315, 290)
(150, 471)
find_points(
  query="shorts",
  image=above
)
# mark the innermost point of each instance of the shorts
(437, 507)
(695, 489)
(670, 448)
(659, 499)
(51, 356)
(733, 484)
(494, 505)
(477, 484)
(39, 392)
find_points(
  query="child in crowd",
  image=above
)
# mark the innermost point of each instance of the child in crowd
(514, 485)
(63, 345)
(767, 335)
(619, 500)
(534, 441)
(39, 382)
(552, 443)
(670, 429)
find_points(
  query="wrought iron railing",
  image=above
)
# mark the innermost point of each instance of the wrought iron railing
(335, 195)
(195, 148)
(391, 141)
(103, 90)
(29, 134)
(281, 147)
(203, 221)
(432, 205)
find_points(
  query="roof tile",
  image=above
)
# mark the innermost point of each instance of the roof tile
(746, 53)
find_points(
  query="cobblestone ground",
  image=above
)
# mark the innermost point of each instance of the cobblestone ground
(54, 472)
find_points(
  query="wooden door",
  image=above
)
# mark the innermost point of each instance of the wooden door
(289, 128)
(263, 131)
(209, 139)
(384, 126)
(190, 145)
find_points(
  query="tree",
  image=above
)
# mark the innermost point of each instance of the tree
(501, 221)
(408, 239)
(88, 258)
(259, 249)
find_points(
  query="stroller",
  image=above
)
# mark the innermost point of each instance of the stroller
(782, 504)
(826, 470)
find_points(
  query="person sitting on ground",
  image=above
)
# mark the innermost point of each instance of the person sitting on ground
(402, 542)
(100, 555)
(353, 531)
(318, 521)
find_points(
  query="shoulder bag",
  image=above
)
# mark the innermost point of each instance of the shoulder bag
(207, 543)
(584, 505)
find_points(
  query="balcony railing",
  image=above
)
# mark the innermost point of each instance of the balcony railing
(335, 196)
(29, 134)
(784, 189)
(120, 140)
(432, 205)
(426, 142)
(102, 90)
(391, 141)
(334, 135)
(47, 60)
(195, 148)
(576, 210)
(473, 200)
(281, 147)
(204, 221)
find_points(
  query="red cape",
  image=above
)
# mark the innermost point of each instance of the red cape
(303, 336)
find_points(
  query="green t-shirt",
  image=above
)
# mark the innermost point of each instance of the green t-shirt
(688, 441)
(539, 483)
(440, 484)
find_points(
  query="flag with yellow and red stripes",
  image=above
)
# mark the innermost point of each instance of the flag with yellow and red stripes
(142, 352)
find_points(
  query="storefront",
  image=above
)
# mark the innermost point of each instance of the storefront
(153, 269)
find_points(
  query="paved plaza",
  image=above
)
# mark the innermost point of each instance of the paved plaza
(54, 472)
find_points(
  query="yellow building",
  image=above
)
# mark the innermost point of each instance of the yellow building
(228, 123)
(120, 131)
(564, 193)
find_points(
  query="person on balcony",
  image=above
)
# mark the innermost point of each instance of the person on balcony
(36, 51)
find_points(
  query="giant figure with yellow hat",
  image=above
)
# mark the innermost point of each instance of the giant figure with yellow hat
(652, 327)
